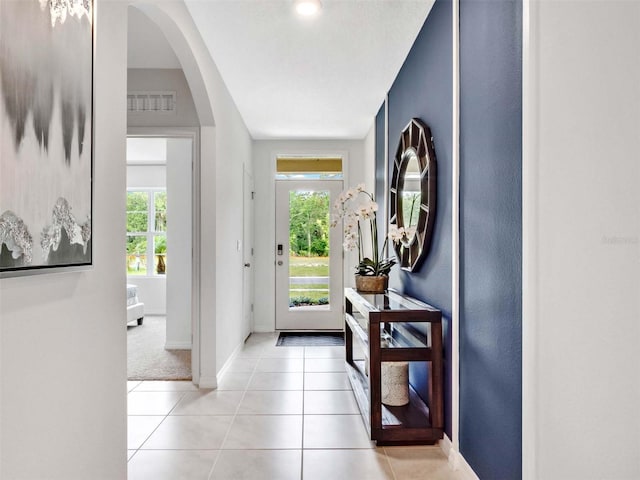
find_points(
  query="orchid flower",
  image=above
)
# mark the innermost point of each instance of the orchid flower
(357, 209)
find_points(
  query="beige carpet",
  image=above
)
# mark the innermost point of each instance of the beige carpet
(146, 357)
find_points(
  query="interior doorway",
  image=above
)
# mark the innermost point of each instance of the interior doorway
(160, 221)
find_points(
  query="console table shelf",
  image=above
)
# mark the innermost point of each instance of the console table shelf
(386, 327)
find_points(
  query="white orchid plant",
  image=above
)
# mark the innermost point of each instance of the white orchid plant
(357, 209)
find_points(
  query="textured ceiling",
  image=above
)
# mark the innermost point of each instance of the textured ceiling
(308, 78)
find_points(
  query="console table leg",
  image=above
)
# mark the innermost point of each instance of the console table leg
(374, 378)
(436, 409)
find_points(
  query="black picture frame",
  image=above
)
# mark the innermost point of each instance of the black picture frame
(46, 136)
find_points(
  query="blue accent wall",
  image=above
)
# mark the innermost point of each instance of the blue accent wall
(491, 237)
(423, 89)
(490, 216)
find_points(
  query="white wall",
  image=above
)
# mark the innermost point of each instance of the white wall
(225, 146)
(63, 352)
(233, 151)
(148, 46)
(369, 163)
(582, 240)
(152, 291)
(357, 168)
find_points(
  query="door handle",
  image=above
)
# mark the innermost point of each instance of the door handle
(280, 262)
(247, 265)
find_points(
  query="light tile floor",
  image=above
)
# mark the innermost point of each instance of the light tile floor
(280, 413)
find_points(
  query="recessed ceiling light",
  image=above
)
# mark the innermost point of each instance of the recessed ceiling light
(308, 7)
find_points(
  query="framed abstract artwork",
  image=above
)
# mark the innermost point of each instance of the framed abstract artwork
(46, 135)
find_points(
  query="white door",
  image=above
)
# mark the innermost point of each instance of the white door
(247, 255)
(308, 256)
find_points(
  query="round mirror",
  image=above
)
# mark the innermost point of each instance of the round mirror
(413, 194)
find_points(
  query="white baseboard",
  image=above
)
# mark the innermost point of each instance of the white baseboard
(212, 382)
(177, 346)
(263, 329)
(231, 358)
(208, 382)
(456, 460)
(447, 447)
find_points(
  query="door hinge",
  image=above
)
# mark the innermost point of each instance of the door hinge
(252, 251)
(253, 195)
(252, 308)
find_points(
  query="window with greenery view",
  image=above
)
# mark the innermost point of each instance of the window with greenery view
(146, 232)
(309, 224)
(309, 248)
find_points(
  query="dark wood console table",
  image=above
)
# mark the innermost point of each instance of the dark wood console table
(390, 327)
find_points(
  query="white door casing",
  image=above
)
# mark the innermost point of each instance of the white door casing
(179, 242)
(247, 255)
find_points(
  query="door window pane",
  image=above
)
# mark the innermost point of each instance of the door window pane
(309, 249)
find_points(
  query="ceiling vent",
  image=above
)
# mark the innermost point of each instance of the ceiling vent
(151, 102)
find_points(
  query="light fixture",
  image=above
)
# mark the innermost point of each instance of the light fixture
(308, 7)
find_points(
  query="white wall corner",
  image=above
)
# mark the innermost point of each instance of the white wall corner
(369, 160)
(455, 228)
(529, 239)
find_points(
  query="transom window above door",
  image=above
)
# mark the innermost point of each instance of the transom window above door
(308, 168)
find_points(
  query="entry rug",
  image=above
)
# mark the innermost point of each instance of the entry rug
(310, 339)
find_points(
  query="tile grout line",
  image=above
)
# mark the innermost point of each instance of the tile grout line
(157, 426)
(235, 415)
(304, 375)
(386, 456)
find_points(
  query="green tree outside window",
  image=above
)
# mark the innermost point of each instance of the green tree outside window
(146, 232)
